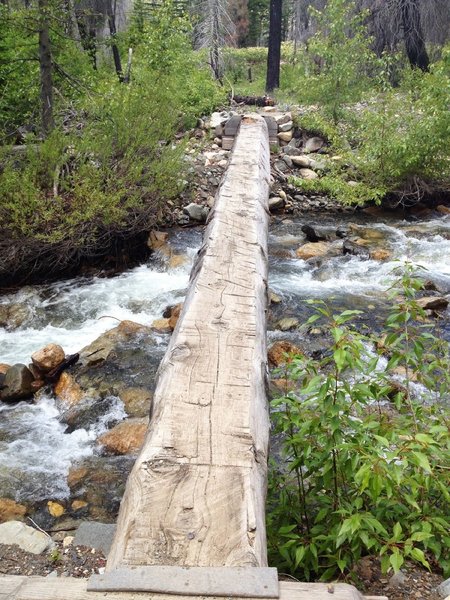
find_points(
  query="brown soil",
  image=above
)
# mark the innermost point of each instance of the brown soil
(81, 561)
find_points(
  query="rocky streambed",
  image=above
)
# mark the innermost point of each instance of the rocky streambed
(65, 453)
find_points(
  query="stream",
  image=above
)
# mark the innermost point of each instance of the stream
(36, 447)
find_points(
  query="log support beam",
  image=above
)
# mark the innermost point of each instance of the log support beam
(196, 495)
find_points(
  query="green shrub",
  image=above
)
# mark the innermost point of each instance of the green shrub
(365, 466)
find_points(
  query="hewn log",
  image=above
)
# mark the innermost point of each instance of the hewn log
(197, 491)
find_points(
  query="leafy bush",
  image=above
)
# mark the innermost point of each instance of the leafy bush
(340, 59)
(365, 465)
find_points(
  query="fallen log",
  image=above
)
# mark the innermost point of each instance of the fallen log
(254, 100)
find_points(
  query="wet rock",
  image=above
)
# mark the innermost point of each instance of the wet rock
(308, 174)
(313, 234)
(444, 210)
(17, 383)
(177, 260)
(55, 509)
(84, 414)
(27, 538)
(161, 326)
(48, 358)
(68, 391)
(125, 438)
(312, 250)
(287, 324)
(175, 315)
(274, 298)
(137, 401)
(433, 302)
(196, 212)
(3, 368)
(313, 144)
(78, 505)
(13, 316)
(76, 475)
(100, 348)
(301, 161)
(157, 239)
(10, 510)
(100, 481)
(281, 352)
(341, 232)
(355, 249)
(380, 254)
(367, 233)
(276, 203)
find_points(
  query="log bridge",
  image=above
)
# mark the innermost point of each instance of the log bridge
(192, 520)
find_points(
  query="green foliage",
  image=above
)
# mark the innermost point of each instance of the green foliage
(402, 135)
(19, 70)
(340, 57)
(359, 475)
(111, 163)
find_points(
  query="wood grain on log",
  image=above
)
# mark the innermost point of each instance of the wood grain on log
(196, 494)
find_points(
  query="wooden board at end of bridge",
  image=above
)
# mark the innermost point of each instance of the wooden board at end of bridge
(16, 587)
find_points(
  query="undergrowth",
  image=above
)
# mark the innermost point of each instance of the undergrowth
(364, 467)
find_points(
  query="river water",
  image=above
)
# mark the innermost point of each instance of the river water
(36, 451)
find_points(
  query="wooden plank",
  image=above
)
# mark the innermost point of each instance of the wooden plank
(71, 588)
(236, 582)
(196, 494)
(9, 585)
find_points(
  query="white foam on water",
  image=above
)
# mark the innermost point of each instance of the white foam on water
(39, 457)
(75, 313)
(356, 276)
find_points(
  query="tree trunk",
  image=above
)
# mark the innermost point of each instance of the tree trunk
(45, 63)
(413, 35)
(112, 30)
(215, 42)
(74, 30)
(274, 51)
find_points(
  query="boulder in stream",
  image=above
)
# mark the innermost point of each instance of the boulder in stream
(48, 357)
(313, 249)
(17, 384)
(126, 437)
(354, 249)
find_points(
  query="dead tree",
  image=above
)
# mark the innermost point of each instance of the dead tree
(45, 65)
(274, 51)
